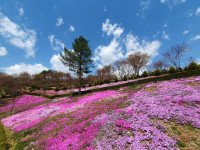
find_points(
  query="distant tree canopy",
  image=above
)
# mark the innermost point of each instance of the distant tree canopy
(79, 59)
(138, 61)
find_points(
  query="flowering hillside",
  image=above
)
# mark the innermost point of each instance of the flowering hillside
(162, 115)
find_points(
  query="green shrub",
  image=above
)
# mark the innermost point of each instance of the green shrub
(133, 75)
(101, 82)
(186, 69)
(125, 78)
(57, 89)
(107, 81)
(83, 85)
(116, 79)
(179, 70)
(95, 83)
(172, 70)
(164, 71)
(145, 74)
(90, 84)
(157, 72)
(193, 66)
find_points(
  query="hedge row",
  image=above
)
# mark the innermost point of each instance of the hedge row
(155, 79)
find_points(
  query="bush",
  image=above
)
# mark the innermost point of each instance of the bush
(64, 87)
(107, 81)
(56, 90)
(164, 71)
(90, 84)
(95, 83)
(145, 74)
(125, 78)
(172, 70)
(116, 79)
(179, 70)
(134, 75)
(3, 140)
(186, 69)
(101, 82)
(157, 72)
(193, 66)
(83, 85)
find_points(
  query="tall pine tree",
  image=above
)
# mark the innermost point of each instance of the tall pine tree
(79, 59)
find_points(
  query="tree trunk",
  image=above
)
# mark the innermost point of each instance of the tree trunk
(13, 100)
(79, 92)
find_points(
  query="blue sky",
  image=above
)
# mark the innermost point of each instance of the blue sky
(33, 33)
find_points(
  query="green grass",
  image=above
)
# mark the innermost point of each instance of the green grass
(3, 140)
(181, 144)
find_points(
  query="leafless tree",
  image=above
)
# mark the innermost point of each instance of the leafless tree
(12, 86)
(175, 54)
(160, 64)
(138, 61)
(121, 67)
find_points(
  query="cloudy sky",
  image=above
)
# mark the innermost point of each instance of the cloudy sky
(33, 33)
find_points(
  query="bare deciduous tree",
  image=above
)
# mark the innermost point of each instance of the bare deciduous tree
(160, 64)
(121, 67)
(175, 54)
(138, 61)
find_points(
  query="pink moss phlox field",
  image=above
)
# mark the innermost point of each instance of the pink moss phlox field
(23, 102)
(130, 131)
(172, 101)
(31, 117)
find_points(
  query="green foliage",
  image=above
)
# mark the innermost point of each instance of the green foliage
(3, 140)
(116, 79)
(145, 74)
(179, 70)
(181, 144)
(174, 128)
(64, 87)
(190, 127)
(157, 72)
(193, 66)
(107, 81)
(83, 86)
(95, 83)
(101, 82)
(90, 84)
(57, 89)
(125, 78)
(172, 70)
(186, 69)
(134, 75)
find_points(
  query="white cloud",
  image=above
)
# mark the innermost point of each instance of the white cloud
(132, 44)
(165, 36)
(55, 43)
(21, 11)
(59, 21)
(3, 51)
(172, 3)
(165, 25)
(185, 32)
(71, 28)
(143, 6)
(110, 53)
(198, 11)
(24, 39)
(57, 65)
(197, 37)
(162, 1)
(112, 29)
(19, 68)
